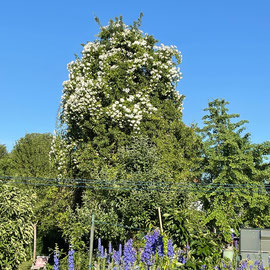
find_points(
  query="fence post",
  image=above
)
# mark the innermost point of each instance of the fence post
(91, 241)
(160, 220)
(35, 242)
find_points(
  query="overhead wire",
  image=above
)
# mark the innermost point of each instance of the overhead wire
(137, 185)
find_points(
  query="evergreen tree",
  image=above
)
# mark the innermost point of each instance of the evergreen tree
(230, 158)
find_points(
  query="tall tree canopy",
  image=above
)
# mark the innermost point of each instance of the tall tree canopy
(30, 155)
(231, 158)
(122, 86)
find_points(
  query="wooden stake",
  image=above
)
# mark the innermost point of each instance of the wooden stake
(91, 241)
(35, 242)
(160, 220)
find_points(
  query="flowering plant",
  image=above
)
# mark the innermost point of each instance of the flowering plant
(122, 80)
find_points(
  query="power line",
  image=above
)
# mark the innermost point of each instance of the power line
(118, 185)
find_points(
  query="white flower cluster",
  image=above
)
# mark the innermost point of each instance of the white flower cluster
(129, 111)
(120, 78)
(60, 151)
(116, 78)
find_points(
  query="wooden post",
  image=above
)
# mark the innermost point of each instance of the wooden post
(35, 242)
(160, 220)
(91, 241)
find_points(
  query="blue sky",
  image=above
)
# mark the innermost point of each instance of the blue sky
(225, 47)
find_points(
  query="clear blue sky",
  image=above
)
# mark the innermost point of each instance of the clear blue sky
(225, 47)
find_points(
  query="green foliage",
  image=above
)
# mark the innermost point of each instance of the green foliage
(121, 120)
(30, 155)
(3, 151)
(5, 161)
(122, 86)
(230, 158)
(25, 265)
(16, 208)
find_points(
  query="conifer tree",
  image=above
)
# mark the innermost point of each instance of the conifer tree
(230, 158)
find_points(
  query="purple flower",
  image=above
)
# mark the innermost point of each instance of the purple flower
(99, 245)
(170, 250)
(110, 248)
(223, 264)
(236, 244)
(101, 252)
(71, 258)
(181, 257)
(260, 266)
(160, 247)
(154, 242)
(203, 266)
(147, 252)
(250, 267)
(56, 260)
(243, 265)
(116, 257)
(120, 250)
(129, 254)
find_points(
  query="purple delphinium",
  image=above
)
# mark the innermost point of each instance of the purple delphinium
(120, 250)
(223, 264)
(101, 252)
(260, 266)
(250, 267)
(181, 257)
(160, 247)
(203, 266)
(243, 265)
(155, 242)
(149, 248)
(56, 260)
(110, 248)
(71, 258)
(116, 257)
(256, 262)
(236, 244)
(129, 254)
(147, 252)
(170, 250)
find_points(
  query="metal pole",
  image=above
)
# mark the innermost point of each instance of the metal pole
(160, 220)
(91, 241)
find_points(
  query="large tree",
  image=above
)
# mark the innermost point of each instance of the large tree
(30, 155)
(231, 159)
(124, 85)
(121, 119)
